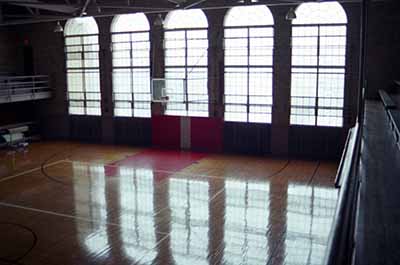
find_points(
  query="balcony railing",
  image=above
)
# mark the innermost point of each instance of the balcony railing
(24, 88)
(341, 245)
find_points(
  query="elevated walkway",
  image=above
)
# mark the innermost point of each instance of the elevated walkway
(378, 226)
(24, 88)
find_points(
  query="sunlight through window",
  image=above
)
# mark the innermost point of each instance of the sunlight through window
(137, 213)
(249, 44)
(90, 204)
(318, 64)
(131, 65)
(310, 215)
(189, 221)
(186, 58)
(83, 75)
(246, 222)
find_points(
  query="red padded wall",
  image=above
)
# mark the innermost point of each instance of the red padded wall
(166, 132)
(206, 134)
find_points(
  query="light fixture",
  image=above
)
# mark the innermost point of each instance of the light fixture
(291, 14)
(58, 28)
(159, 22)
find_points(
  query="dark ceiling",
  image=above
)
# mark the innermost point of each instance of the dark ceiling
(31, 11)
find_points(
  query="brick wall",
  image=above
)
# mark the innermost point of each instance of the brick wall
(10, 61)
(383, 47)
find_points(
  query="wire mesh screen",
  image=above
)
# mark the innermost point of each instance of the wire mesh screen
(83, 76)
(131, 74)
(318, 75)
(248, 74)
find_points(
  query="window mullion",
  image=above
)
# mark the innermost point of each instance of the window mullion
(317, 79)
(84, 76)
(131, 75)
(186, 75)
(248, 75)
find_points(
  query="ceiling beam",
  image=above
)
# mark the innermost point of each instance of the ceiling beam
(85, 6)
(50, 7)
(20, 1)
(112, 10)
(190, 5)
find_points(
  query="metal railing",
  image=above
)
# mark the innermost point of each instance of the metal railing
(343, 160)
(22, 88)
(341, 244)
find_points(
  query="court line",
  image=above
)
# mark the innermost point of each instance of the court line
(216, 194)
(154, 170)
(164, 235)
(57, 214)
(32, 170)
(73, 217)
(190, 174)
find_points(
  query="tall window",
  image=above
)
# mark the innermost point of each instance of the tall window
(318, 64)
(83, 77)
(248, 45)
(186, 56)
(131, 65)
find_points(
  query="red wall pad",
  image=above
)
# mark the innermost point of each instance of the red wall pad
(206, 134)
(166, 132)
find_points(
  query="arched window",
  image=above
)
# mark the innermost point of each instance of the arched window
(83, 77)
(249, 44)
(318, 64)
(131, 65)
(186, 57)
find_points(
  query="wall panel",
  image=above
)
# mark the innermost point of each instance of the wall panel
(86, 128)
(132, 131)
(247, 138)
(316, 142)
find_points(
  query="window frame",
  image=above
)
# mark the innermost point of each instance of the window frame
(339, 70)
(189, 105)
(84, 71)
(131, 70)
(268, 69)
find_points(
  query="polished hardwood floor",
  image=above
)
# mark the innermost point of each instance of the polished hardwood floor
(71, 203)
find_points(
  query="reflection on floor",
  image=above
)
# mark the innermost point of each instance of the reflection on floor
(216, 209)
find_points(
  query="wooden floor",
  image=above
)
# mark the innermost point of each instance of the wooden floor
(91, 204)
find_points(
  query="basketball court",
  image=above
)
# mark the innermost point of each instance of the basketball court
(92, 204)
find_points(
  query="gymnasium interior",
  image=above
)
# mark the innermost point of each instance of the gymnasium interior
(199, 132)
